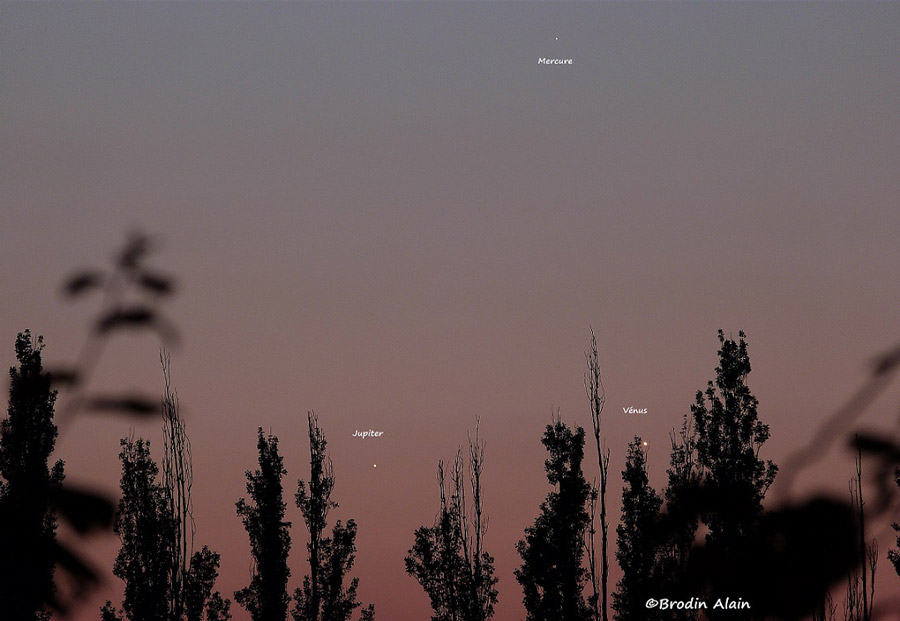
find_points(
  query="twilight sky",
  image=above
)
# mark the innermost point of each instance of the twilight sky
(391, 214)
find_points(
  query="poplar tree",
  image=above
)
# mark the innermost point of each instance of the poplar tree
(678, 525)
(198, 589)
(323, 596)
(146, 529)
(156, 526)
(729, 438)
(551, 575)
(636, 538)
(27, 525)
(266, 596)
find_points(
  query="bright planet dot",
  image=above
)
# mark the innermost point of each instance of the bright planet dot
(645, 443)
(374, 465)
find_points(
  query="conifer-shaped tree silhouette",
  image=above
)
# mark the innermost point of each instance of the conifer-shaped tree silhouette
(145, 527)
(266, 596)
(551, 575)
(729, 438)
(27, 524)
(323, 596)
(718, 479)
(637, 539)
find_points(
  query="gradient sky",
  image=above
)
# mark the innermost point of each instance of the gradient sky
(391, 214)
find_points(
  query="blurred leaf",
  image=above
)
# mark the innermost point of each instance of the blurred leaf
(783, 568)
(154, 283)
(135, 249)
(135, 318)
(81, 283)
(84, 510)
(133, 405)
(127, 318)
(67, 376)
(82, 574)
(869, 443)
(886, 361)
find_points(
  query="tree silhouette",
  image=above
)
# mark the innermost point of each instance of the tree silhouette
(594, 386)
(217, 608)
(177, 478)
(861, 581)
(145, 526)
(551, 575)
(436, 559)
(27, 524)
(678, 525)
(448, 559)
(156, 527)
(198, 589)
(81, 509)
(636, 538)
(894, 555)
(729, 437)
(191, 579)
(323, 596)
(266, 596)
(109, 613)
(717, 479)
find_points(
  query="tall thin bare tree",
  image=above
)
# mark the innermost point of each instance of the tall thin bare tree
(593, 383)
(178, 478)
(861, 582)
(448, 559)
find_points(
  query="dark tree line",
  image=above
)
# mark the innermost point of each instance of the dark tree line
(716, 485)
(715, 479)
(165, 579)
(145, 562)
(323, 595)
